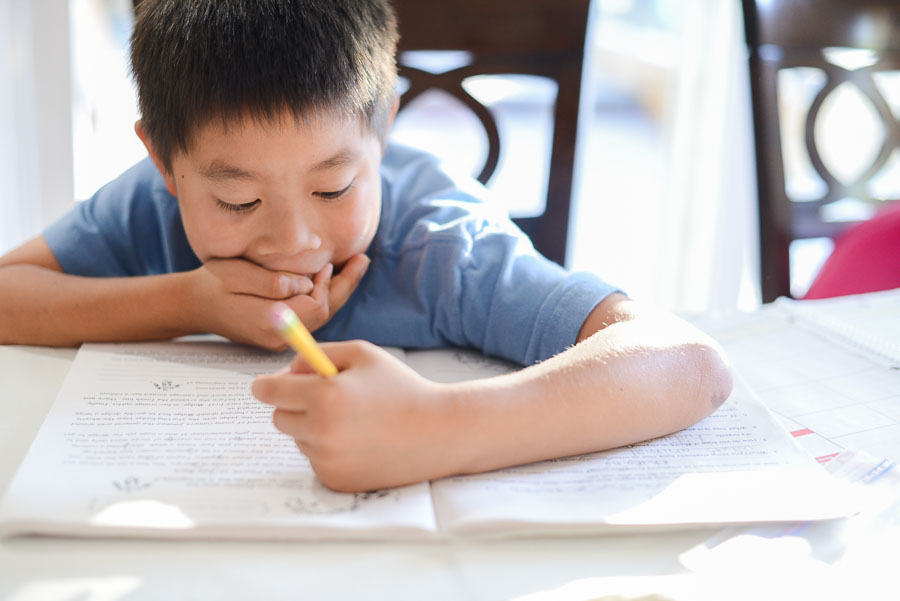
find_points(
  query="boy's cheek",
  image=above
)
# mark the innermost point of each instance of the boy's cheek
(210, 236)
(207, 245)
(361, 226)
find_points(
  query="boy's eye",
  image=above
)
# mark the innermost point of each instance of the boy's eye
(334, 195)
(237, 208)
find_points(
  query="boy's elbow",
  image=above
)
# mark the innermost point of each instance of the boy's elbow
(714, 377)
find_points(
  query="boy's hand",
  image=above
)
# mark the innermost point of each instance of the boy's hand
(235, 295)
(329, 293)
(376, 424)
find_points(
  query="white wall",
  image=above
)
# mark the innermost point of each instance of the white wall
(35, 117)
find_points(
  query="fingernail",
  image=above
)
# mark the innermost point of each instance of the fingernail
(365, 265)
(290, 284)
(298, 286)
(285, 283)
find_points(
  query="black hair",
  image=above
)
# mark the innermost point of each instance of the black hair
(198, 60)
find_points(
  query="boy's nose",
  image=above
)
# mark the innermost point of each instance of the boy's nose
(289, 233)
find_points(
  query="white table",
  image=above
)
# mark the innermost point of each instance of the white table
(57, 569)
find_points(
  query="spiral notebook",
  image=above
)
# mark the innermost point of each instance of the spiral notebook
(870, 323)
(829, 369)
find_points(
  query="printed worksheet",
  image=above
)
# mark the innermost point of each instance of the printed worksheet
(165, 440)
(737, 464)
(167, 437)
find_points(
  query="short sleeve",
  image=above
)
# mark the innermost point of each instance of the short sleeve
(130, 227)
(449, 269)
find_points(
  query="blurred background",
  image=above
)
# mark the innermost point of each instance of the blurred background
(664, 199)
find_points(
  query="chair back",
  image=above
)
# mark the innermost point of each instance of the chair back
(538, 37)
(790, 34)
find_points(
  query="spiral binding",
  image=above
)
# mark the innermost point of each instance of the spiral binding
(833, 327)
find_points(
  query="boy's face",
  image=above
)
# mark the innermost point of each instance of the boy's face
(290, 197)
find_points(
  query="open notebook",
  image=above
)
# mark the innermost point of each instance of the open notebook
(165, 440)
(828, 369)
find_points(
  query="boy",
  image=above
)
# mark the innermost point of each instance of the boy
(271, 180)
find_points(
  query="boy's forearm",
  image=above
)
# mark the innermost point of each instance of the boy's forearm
(632, 381)
(45, 307)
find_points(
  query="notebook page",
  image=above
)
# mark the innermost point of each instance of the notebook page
(831, 395)
(870, 322)
(738, 465)
(165, 439)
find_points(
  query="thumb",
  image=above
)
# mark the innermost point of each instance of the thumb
(301, 366)
(345, 282)
(344, 354)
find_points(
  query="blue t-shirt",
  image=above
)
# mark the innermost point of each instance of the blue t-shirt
(446, 268)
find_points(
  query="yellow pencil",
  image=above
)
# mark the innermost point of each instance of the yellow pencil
(296, 334)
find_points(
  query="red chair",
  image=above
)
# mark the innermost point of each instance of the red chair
(866, 258)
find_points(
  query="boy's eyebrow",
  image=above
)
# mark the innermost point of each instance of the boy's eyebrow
(220, 171)
(343, 157)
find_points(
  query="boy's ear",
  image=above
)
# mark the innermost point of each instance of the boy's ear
(394, 108)
(390, 123)
(148, 144)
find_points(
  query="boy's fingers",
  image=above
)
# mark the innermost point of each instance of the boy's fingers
(321, 285)
(286, 392)
(329, 293)
(343, 354)
(304, 446)
(245, 277)
(287, 285)
(346, 354)
(345, 282)
(292, 423)
(301, 366)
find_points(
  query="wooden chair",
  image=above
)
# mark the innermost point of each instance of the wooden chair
(536, 37)
(784, 34)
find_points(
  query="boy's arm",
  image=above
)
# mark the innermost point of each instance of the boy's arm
(42, 305)
(633, 375)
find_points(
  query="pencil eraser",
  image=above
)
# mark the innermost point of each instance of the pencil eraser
(281, 316)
